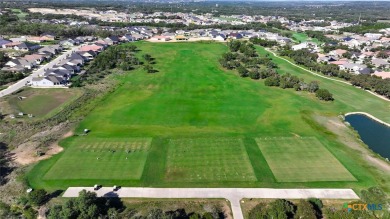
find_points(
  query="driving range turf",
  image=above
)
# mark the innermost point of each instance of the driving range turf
(203, 122)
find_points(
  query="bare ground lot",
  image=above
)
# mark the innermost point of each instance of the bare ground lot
(25, 154)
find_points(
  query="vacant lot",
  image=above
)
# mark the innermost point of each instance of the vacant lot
(301, 160)
(39, 102)
(203, 122)
(208, 159)
(102, 159)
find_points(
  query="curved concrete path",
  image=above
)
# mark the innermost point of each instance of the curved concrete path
(322, 76)
(234, 195)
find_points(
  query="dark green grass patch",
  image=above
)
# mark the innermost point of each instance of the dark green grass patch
(208, 159)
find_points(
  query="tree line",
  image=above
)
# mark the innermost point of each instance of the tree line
(368, 82)
(366, 27)
(118, 57)
(313, 208)
(243, 57)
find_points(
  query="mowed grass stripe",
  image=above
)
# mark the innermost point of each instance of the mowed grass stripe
(208, 159)
(302, 160)
(101, 158)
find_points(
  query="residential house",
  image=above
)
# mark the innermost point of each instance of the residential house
(48, 81)
(111, 40)
(71, 68)
(49, 36)
(95, 48)
(380, 63)
(219, 37)
(181, 38)
(352, 67)
(19, 64)
(53, 49)
(10, 45)
(37, 58)
(128, 38)
(4, 42)
(305, 45)
(90, 55)
(382, 74)
(235, 36)
(338, 52)
(137, 36)
(69, 43)
(365, 71)
(161, 38)
(27, 46)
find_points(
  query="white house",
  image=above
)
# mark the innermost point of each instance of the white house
(48, 81)
(352, 67)
(305, 45)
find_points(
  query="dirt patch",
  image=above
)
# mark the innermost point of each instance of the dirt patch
(227, 211)
(26, 153)
(348, 137)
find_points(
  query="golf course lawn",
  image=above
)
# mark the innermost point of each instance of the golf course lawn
(301, 160)
(117, 158)
(208, 159)
(302, 37)
(203, 122)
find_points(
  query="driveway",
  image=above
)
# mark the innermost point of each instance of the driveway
(234, 195)
(18, 85)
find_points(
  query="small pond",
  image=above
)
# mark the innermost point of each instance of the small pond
(372, 133)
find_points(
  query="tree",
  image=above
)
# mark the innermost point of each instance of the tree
(280, 208)
(317, 204)
(272, 81)
(234, 45)
(242, 71)
(347, 55)
(147, 57)
(382, 55)
(324, 94)
(37, 197)
(313, 86)
(112, 213)
(259, 211)
(255, 74)
(149, 69)
(5, 210)
(305, 210)
(83, 207)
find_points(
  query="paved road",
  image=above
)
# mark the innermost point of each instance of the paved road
(322, 76)
(234, 195)
(18, 85)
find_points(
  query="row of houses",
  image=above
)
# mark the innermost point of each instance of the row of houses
(30, 61)
(220, 35)
(60, 74)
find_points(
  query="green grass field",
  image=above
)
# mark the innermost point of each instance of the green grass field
(112, 158)
(39, 102)
(203, 122)
(301, 160)
(302, 37)
(19, 13)
(208, 159)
